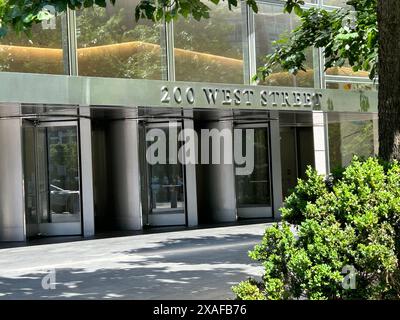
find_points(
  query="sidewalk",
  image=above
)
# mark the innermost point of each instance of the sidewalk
(190, 264)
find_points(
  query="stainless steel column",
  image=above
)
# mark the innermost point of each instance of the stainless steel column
(124, 147)
(276, 170)
(220, 182)
(85, 138)
(12, 219)
(321, 155)
(190, 179)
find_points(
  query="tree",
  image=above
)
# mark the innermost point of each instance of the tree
(20, 15)
(351, 36)
(389, 79)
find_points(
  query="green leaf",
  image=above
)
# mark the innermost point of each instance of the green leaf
(298, 10)
(44, 15)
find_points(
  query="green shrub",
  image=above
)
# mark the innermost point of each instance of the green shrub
(350, 220)
(248, 290)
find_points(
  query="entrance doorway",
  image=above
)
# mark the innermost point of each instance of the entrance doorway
(253, 191)
(163, 186)
(51, 178)
(297, 152)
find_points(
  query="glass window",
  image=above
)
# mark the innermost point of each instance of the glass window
(210, 50)
(272, 24)
(350, 135)
(297, 153)
(63, 174)
(254, 189)
(166, 180)
(41, 53)
(335, 3)
(346, 70)
(112, 44)
(351, 86)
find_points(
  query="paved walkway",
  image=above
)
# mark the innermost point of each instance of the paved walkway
(191, 264)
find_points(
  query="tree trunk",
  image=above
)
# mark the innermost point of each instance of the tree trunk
(389, 79)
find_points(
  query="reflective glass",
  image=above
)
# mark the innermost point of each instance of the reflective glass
(63, 174)
(112, 44)
(40, 53)
(166, 182)
(351, 135)
(254, 189)
(335, 3)
(272, 24)
(352, 86)
(210, 50)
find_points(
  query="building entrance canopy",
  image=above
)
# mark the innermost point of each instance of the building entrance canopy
(107, 92)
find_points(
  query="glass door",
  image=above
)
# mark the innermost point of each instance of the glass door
(52, 179)
(288, 159)
(29, 154)
(253, 191)
(297, 153)
(164, 176)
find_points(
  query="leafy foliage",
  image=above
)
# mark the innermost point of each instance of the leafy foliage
(351, 219)
(20, 15)
(347, 35)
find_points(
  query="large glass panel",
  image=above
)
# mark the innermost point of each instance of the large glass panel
(63, 174)
(350, 135)
(40, 53)
(305, 149)
(112, 44)
(254, 189)
(31, 210)
(335, 3)
(346, 70)
(210, 50)
(352, 86)
(272, 24)
(42, 178)
(297, 153)
(288, 159)
(165, 182)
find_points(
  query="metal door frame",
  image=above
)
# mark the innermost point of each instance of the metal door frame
(158, 217)
(53, 228)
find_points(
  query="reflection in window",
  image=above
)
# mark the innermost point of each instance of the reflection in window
(112, 44)
(346, 70)
(352, 86)
(254, 189)
(41, 53)
(351, 135)
(335, 3)
(166, 181)
(272, 24)
(210, 50)
(63, 173)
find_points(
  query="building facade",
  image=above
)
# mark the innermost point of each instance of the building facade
(80, 99)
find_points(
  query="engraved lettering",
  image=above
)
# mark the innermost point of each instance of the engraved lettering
(248, 94)
(211, 95)
(165, 98)
(190, 95)
(177, 95)
(236, 97)
(264, 98)
(227, 97)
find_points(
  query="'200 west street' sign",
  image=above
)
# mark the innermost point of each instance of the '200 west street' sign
(208, 96)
